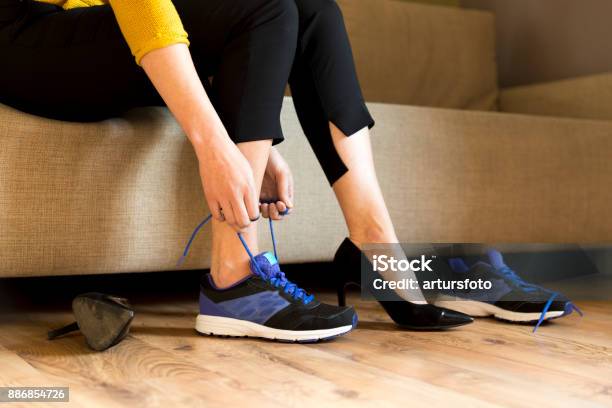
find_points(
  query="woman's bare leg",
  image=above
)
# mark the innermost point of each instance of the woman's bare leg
(358, 191)
(361, 199)
(230, 262)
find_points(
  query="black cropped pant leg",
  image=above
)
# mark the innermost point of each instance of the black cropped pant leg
(324, 83)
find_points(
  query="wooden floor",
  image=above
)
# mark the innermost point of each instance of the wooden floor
(165, 363)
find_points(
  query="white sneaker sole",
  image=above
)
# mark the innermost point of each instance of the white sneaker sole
(482, 309)
(226, 326)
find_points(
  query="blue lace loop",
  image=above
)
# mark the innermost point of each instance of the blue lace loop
(278, 279)
(544, 310)
(273, 237)
(530, 287)
(193, 235)
(577, 309)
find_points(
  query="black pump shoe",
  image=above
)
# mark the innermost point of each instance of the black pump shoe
(405, 314)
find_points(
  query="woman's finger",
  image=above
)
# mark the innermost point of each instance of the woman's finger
(251, 202)
(215, 210)
(282, 208)
(240, 212)
(274, 213)
(228, 213)
(264, 208)
(284, 189)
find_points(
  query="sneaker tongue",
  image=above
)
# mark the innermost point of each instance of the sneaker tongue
(267, 263)
(496, 258)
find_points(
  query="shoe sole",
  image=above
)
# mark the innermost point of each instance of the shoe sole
(482, 309)
(228, 327)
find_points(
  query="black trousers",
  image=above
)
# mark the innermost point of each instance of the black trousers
(75, 65)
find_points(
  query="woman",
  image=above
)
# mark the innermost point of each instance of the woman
(74, 60)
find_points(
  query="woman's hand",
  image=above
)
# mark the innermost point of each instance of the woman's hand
(276, 196)
(226, 175)
(227, 179)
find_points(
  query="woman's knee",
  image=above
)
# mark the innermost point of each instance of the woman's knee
(288, 10)
(308, 9)
(211, 24)
(280, 17)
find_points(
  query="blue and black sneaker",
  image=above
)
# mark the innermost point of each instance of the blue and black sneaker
(267, 305)
(509, 298)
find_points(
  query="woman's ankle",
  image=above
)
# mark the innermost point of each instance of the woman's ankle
(372, 233)
(227, 274)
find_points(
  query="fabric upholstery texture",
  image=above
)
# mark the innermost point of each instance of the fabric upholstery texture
(588, 97)
(423, 55)
(124, 195)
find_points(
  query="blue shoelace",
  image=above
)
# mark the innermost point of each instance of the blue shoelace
(530, 287)
(511, 275)
(278, 279)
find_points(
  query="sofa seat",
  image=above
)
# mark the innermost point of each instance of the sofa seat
(123, 195)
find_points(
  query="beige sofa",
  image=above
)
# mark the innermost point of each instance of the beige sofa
(123, 195)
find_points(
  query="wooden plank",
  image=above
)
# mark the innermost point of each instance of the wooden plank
(164, 362)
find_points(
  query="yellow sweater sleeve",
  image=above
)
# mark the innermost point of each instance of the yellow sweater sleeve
(146, 24)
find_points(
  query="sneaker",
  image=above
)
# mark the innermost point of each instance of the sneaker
(510, 298)
(267, 305)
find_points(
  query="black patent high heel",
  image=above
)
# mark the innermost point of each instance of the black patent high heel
(405, 314)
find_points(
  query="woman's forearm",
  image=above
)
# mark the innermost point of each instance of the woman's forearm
(173, 74)
(227, 177)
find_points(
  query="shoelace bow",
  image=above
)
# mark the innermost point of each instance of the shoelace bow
(278, 279)
(530, 287)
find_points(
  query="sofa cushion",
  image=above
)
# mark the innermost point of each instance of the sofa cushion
(416, 54)
(457, 176)
(124, 195)
(588, 97)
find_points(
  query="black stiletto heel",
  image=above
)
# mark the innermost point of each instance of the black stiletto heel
(405, 314)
